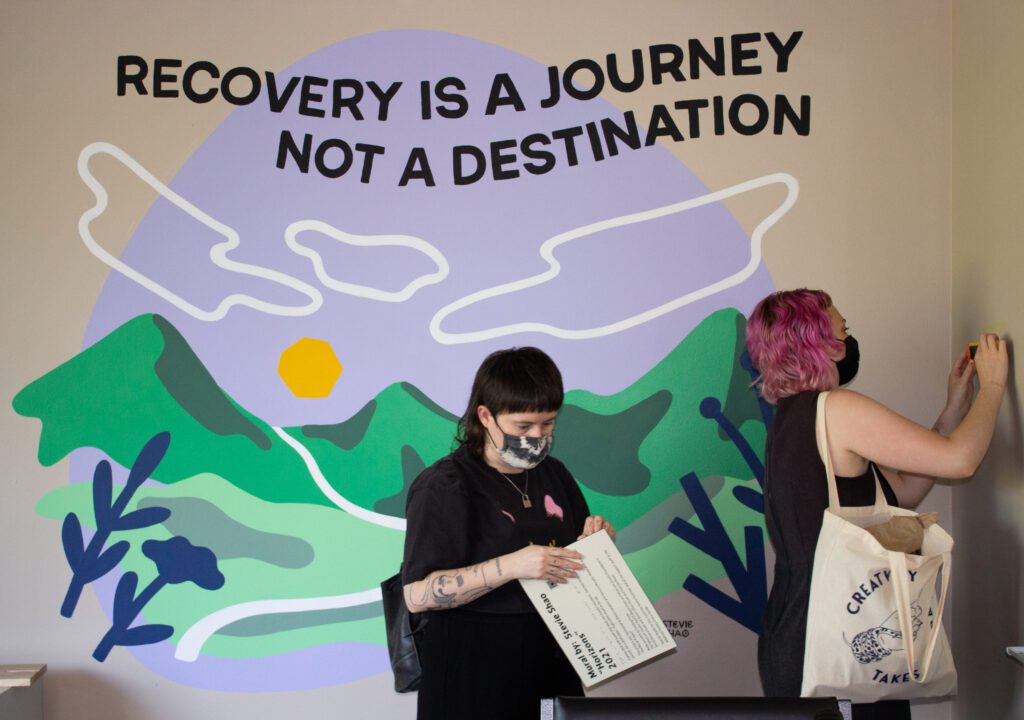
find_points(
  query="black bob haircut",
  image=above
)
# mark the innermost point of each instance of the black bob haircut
(510, 381)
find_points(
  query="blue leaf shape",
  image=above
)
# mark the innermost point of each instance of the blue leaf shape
(148, 459)
(102, 482)
(71, 536)
(750, 586)
(142, 518)
(124, 597)
(749, 583)
(107, 560)
(177, 561)
(145, 635)
(749, 497)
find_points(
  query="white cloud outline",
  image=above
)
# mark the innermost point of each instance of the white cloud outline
(218, 252)
(365, 291)
(554, 268)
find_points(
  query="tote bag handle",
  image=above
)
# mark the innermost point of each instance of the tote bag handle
(901, 584)
(881, 504)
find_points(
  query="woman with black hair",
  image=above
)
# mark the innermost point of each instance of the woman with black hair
(496, 510)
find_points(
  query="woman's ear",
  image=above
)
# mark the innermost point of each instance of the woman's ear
(484, 416)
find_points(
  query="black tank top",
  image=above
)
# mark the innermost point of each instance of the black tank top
(796, 495)
(796, 489)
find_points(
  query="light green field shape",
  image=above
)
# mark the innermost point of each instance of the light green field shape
(347, 555)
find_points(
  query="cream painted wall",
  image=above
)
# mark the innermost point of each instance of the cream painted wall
(872, 226)
(988, 520)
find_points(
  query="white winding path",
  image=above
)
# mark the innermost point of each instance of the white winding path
(388, 521)
(191, 643)
(195, 637)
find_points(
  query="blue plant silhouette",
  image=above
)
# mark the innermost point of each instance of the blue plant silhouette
(91, 562)
(750, 583)
(177, 561)
(711, 408)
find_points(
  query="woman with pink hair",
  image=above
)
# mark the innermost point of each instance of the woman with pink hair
(801, 347)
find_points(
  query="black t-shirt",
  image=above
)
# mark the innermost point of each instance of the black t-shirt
(460, 511)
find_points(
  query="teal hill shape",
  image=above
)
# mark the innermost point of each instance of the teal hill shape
(206, 524)
(429, 404)
(412, 466)
(346, 435)
(682, 441)
(606, 447)
(191, 385)
(285, 622)
(741, 401)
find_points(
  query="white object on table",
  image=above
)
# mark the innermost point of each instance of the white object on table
(21, 691)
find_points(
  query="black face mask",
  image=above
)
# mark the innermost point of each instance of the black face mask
(848, 366)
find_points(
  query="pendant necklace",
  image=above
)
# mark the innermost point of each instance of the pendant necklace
(526, 488)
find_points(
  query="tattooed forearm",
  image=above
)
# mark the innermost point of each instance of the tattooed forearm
(415, 601)
(482, 587)
(445, 589)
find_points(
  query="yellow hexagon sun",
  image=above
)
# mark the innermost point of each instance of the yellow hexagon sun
(309, 368)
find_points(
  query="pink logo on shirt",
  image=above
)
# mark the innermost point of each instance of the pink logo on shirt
(552, 509)
(508, 515)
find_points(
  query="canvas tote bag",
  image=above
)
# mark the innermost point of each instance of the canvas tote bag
(874, 624)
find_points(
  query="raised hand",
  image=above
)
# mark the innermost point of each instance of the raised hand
(596, 523)
(992, 361)
(959, 394)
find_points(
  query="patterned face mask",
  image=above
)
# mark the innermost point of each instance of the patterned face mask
(522, 451)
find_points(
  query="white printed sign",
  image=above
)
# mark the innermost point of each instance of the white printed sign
(601, 619)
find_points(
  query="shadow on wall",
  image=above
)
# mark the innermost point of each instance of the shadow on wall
(88, 696)
(1012, 443)
(988, 566)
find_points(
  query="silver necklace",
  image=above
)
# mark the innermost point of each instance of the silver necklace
(522, 493)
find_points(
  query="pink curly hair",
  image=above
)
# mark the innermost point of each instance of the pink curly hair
(790, 341)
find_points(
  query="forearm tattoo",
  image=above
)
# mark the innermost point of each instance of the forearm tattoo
(445, 589)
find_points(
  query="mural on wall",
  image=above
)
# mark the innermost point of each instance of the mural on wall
(290, 333)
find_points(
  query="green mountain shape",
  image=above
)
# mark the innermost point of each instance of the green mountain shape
(627, 450)
(143, 378)
(676, 438)
(234, 485)
(371, 471)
